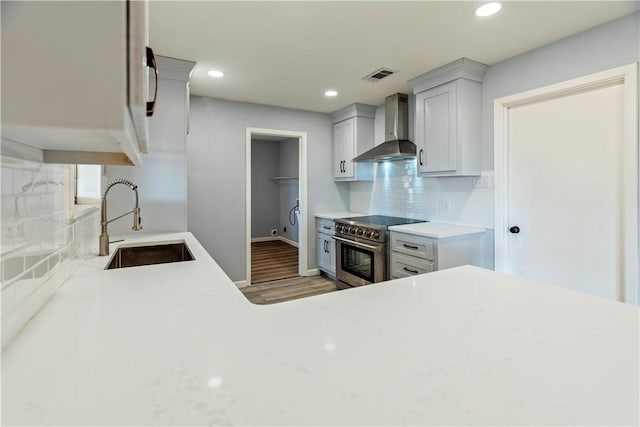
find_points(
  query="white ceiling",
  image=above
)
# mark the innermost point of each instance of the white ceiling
(288, 53)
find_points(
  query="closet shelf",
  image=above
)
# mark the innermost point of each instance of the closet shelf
(283, 178)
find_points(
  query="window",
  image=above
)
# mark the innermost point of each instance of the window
(88, 184)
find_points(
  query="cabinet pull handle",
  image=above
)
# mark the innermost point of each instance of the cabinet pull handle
(342, 169)
(415, 248)
(420, 157)
(326, 228)
(151, 63)
(326, 246)
(410, 270)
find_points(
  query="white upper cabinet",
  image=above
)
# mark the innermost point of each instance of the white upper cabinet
(352, 135)
(75, 80)
(448, 125)
(343, 148)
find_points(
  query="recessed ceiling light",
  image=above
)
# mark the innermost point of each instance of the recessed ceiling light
(331, 93)
(215, 73)
(488, 9)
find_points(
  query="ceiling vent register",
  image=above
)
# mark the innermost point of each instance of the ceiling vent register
(378, 75)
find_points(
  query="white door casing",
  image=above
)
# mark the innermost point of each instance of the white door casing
(573, 192)
(302, 194)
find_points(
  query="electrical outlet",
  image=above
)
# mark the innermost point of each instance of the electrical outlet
(482, 181)
(445, 206)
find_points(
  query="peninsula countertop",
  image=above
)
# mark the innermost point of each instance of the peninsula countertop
(178, 344)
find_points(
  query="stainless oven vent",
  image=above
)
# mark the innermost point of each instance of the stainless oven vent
(397, 145)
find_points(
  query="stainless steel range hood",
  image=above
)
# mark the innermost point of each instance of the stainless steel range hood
(397, 145)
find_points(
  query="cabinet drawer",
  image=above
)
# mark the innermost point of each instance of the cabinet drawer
(405, 266)
(326, 226)
(417, 246)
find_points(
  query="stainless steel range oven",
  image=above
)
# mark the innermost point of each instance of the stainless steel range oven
(362, 253)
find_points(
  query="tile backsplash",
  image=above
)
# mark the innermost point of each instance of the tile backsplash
(397, 190)
(41, 246)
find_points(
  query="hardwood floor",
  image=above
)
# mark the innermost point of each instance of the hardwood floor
(288, 289)
(274, 275)
(273, 260)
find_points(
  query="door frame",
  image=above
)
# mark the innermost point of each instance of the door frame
(627, 76)
(302, 193)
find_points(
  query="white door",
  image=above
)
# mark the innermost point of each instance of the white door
(566, 200)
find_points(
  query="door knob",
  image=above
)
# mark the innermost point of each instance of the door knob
(514, 230)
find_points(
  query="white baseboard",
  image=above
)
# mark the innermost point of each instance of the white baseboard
(264, 239)
(291, 242)
(272, 238)
(241, 283)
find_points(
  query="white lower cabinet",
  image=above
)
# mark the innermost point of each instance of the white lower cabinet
(326, 246)
(405, 265)
(413, 254)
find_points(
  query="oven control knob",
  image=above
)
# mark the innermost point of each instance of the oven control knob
(375, 235)
(339, 228)
(368, 233)
(360, 231)
(353, 230)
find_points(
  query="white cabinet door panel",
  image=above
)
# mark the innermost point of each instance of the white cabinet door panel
(436, 129)
(348, 148)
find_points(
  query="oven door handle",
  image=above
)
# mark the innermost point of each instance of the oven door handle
(354, 243)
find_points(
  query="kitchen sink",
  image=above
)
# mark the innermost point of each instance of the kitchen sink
(149, 254)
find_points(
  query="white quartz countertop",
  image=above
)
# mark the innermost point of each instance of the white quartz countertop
(436, 230)
(336, 215)
(178, 344)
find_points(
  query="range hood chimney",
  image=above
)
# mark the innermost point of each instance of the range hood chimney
(397, 145)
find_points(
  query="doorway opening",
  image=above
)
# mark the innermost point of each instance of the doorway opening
(276, 226)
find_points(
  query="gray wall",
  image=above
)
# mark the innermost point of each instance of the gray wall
(216, 174)
(288, 188)
(161, 180)
(607, 46)
(265, 192)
